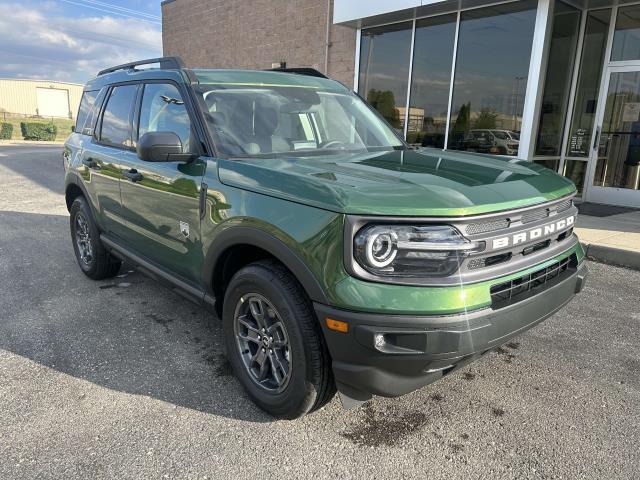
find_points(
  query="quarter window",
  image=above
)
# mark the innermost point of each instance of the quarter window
(116, 127)
(86, 103)
(163, 110)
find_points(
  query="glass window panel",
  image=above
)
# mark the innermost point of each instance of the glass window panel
(626, 39)
(163, 110)
(562, 52)
(494, 49)
(384, 70)
(619, 149)
(86, 104)
(575, 171)
(116, 129)
(551, 164)
(431, 79)
(586, 98)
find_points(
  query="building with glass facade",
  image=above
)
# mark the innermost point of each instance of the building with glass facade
(551, 81)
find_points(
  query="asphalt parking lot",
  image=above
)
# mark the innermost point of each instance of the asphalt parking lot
(126, 379)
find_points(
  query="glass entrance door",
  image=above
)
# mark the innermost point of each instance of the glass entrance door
(614, 174)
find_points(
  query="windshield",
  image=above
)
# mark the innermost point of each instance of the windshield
(271, 120)
(514, 135)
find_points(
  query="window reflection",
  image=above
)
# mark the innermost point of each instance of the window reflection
(431, 78)
(575, 171)
(384, 70)
(619, 147)
(494, 49)
(591, 64)
(564, 39)
(626, 41)
(551, 164)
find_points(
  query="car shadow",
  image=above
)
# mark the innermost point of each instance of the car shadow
(129, 334)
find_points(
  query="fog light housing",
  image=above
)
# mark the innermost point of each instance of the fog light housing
(379, 340)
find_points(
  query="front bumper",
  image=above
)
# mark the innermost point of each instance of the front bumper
(391, 355)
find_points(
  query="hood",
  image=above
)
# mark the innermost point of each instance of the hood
(424, 182)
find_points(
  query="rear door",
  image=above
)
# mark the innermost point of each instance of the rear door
(102, 158)
(161, 199)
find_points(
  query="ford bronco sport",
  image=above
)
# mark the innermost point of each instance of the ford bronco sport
(336, 256)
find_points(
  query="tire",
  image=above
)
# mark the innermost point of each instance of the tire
(308, 383)
(94, 260)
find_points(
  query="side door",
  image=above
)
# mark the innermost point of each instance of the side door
(101, 159)
(161, 203)
(74, 151)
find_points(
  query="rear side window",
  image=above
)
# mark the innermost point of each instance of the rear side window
(86, 104)
(116, 124)
(163, 110)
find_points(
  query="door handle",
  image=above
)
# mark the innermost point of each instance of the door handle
(91, 163)
(133, 175)
(596, 137)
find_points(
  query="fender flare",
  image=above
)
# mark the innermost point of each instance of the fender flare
(256, 237)
(73, 179)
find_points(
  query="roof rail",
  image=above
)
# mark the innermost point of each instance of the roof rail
(169, 63)
(310, 72)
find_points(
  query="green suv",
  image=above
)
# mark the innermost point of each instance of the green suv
(338, 257)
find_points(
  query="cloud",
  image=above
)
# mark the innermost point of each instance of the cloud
(38, 43)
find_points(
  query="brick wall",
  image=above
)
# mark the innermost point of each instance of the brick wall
(257, 33)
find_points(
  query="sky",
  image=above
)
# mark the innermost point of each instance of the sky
(71, 40)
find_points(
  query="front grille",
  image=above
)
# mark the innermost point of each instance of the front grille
(490, 226)
(476, 263)
(566, 205)
(507, 293)
(535, 215)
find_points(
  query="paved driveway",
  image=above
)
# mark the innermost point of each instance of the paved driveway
(125, 379)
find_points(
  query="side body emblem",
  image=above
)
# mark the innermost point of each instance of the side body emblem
(184, 229)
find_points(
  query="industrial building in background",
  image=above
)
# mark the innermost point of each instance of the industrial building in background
(39, 98)
(551, 81)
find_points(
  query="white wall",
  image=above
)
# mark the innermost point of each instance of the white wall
(347, 10)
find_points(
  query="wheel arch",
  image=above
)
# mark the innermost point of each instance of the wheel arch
(73, 189)
(236, 247)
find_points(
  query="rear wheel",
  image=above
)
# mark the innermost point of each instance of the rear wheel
(274, 342)
(94, 260)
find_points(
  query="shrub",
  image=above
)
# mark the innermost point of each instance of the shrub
(38, 131)
(6, 130)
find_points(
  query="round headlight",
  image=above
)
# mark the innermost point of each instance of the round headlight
(381, 249)
(411, 250)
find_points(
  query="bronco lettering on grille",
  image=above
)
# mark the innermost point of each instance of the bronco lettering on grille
(533, 234)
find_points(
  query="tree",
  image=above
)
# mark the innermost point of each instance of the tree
(385, 103)
(487, 118)
(462, 123)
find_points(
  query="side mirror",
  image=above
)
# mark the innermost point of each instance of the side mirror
(162, 147)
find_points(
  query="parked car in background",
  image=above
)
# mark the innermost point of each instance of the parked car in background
(502, 142)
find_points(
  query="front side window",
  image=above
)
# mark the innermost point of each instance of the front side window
(116, 125)
(279, 120)
(163, 110)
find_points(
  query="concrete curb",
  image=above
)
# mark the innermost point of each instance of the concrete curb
(612, 256)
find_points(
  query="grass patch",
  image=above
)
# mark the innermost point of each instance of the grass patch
(63, 124)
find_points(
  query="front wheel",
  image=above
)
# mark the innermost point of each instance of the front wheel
(274, 342)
